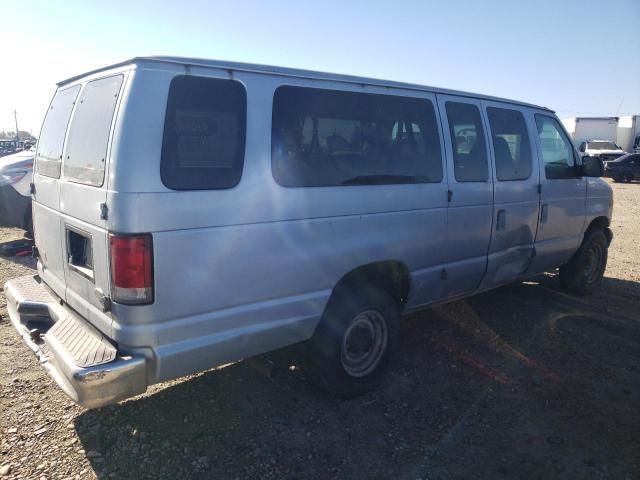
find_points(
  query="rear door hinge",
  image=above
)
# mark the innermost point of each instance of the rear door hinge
(104, 211)
(449, 195)
(32, 188)
(539, 188)
(103, 300)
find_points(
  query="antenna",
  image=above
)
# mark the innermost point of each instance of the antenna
(15, 116)
(619, 105)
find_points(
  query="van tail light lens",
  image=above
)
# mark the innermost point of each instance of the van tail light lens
(131, 268)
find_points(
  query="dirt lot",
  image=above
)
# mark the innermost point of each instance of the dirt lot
(521, 382)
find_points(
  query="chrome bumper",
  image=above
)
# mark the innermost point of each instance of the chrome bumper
(82, 361)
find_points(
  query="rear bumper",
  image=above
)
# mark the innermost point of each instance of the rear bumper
(83, 362)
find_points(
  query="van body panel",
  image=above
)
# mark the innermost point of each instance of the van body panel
(82, 208)
(469, 215)
(599, 200)
(562, 212)
(515, 213)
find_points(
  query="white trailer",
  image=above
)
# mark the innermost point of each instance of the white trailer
(628, 136)
(583, 129)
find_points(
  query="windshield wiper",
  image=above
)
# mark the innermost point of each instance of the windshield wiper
(380, 179)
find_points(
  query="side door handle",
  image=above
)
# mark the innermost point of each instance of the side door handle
(544, 213)
(501, 221)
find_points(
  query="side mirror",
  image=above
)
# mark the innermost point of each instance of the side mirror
(592, 167)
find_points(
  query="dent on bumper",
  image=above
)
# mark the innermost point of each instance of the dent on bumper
(93, 386)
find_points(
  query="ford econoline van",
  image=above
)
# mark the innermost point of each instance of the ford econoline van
(190, 213)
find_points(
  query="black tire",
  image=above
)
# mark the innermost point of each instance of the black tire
(365, 319)
(28, 223)
(583, 274)
(617, 179)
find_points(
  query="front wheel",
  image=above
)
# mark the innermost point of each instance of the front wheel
(584, 272)
(354, 341)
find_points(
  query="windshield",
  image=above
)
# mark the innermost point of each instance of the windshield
(602, 146)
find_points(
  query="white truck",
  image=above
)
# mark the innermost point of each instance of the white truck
(595, 136)
(628, 136)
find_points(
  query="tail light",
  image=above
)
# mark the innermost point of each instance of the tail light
(131, 268)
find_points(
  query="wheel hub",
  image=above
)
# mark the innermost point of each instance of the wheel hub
(364, 343)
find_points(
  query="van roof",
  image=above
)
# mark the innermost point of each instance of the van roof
(294, 72)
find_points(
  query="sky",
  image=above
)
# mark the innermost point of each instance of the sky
(577, 57)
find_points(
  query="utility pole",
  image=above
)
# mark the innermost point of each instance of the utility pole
(15, 116)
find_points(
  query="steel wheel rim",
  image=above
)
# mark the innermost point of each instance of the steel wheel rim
(364, 343)
(593, 260)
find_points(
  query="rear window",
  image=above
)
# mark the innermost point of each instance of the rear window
(331, 137)
(89, 132)
(49, 153)
(204, 134)
(511, 147)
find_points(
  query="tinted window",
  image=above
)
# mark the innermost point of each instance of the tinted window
(204, 134)
(49, 154)
(511, 147)
(467, 139)
(327, 137)
(555, 148)
(86, 151)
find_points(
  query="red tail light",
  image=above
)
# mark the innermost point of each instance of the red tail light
(131, 268)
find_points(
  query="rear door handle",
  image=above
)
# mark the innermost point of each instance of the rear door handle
(544, 213)
(502, 220)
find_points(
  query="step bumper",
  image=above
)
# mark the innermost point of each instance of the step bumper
(84, 363)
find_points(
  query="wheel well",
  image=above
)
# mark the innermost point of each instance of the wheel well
(601, 223)
(391, 276)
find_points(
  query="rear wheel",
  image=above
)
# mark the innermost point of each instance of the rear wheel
(28, 223)
(584, 272)
(354, 341)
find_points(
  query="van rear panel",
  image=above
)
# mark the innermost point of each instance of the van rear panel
(70, 183)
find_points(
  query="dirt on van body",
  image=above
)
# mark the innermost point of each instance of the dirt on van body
(521, 382)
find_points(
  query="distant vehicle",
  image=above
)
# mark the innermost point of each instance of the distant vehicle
(16, 173)
(191, 213)
(624, 169)
(602, 149)
(9, 147)
(629, 133)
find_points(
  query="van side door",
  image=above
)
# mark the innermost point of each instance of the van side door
(562, 197)
(516, 198)
(470, 193)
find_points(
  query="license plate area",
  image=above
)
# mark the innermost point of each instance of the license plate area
(79, 252)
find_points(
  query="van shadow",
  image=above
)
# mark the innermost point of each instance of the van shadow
(521, 381)
(16, 248)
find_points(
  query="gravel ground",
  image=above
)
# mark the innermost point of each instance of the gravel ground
(521, 382)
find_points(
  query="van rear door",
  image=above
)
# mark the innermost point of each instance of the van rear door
(83, 197)
(46, 179)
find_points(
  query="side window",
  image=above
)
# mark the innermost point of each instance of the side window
(54, 128)
(555, 148)
(511, 146)
(467, 139)
(89, 132)
(204, 134)
(332, 137)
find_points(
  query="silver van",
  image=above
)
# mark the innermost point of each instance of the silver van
(190, 213)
